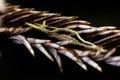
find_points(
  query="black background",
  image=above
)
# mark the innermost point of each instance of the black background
(18, 64)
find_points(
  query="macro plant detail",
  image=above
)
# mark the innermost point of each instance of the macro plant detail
(57, 34)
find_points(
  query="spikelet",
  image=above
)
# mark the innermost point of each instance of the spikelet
(106, 37)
